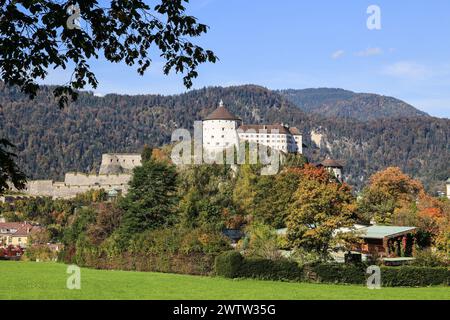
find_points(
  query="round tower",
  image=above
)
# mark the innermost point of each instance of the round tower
(219, 129)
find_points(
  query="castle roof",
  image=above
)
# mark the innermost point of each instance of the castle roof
(330, 163)
(221, 113)
(294, 131)
(269, 128)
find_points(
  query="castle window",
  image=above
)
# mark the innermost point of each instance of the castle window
(223, 129)
(223, 136)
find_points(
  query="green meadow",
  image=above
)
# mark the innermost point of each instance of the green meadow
(37, 280)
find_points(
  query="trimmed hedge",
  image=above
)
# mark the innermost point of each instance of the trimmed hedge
(231, 264)
(409, 276)
(339, 273)
(404, 276)
(228, 263)
(270, 269)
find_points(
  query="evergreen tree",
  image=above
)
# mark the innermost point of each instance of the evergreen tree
(149, 203)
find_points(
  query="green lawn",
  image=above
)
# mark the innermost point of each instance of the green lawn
(33, 280)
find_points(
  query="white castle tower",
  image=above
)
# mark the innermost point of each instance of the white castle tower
(219, 129)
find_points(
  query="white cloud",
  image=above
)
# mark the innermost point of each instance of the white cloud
(338, 54)
(407, 69)
(370, 52)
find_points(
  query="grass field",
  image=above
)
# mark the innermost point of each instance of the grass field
(31, 280)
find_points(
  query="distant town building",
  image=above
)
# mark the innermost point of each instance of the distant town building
(333, 166)
(17, 233)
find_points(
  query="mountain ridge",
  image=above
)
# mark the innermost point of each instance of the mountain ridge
(51, 142)
(336, 102)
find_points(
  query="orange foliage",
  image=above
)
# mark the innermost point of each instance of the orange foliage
(394, 182)
(311, 172)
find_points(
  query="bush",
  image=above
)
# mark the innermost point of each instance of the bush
(339, 273)
(264, 269)
(228, 264)
(41, 253)
(232, 265)
(410, 276)
(427, 258)
(407, 276)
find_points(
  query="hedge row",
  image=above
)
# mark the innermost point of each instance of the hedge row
(195, 264)
(232, 265)
(337, 273)
(409, 276)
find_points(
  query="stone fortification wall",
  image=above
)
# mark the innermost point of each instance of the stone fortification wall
(76, 183)
(114, 163)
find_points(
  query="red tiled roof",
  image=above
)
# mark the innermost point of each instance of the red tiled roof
(22, 228)
(221, 113)
(331, 163)
(294, 131)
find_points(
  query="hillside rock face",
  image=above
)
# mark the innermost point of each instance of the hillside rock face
(51, 141)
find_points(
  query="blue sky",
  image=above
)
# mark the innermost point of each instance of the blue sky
(304, 44)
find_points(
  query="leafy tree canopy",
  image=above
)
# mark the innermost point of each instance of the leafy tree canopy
(35, 36)
(9, 171)
(319, 207)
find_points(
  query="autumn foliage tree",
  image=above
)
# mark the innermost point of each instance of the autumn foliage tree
(319, 206)
(387, 191)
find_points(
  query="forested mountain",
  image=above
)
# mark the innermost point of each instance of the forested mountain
(347, 104)
(51, 141)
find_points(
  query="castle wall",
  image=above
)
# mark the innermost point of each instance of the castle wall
(126, 161)
(77, 183)
(81, 179)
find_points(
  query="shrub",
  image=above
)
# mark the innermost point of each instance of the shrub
(427, 258)
(264, 269)
(228, 264)
(410, 276)
(41, 253)
(262, 242)
(339, 273)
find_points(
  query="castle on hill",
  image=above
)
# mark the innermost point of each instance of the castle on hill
(221, 130)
